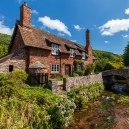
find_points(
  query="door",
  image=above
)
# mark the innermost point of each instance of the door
(67, 69)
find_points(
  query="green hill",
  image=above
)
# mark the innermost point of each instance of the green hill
(4, 43)
(108, 56)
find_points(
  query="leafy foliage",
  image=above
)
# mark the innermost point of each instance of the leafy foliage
(107, 60)
(22, 106)
(126, 55)
(4, 43)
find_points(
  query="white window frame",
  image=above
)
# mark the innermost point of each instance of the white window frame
(72, 53)
(55, 49)
(55, 68)
(79, 67)
(83, 55)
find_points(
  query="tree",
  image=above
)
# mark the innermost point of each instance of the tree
(126, 55)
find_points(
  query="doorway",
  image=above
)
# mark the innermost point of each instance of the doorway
(67, 69)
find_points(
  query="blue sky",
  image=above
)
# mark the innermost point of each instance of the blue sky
(107, 20)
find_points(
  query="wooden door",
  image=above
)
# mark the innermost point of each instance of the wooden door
(67, 70)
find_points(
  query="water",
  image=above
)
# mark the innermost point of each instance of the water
(118, 88)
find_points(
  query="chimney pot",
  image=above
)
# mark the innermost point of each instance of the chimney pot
(25, 3)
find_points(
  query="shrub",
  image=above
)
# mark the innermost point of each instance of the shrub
(56, 75)
(71, 95)
(75, 75)
(89, 68)
(80, 73)
(80, 101)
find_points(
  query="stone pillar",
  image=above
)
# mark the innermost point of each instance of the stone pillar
(53, 84)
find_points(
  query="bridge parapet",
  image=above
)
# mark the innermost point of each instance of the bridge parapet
(117, 72)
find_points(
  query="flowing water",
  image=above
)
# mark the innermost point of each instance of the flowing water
(103, 112)
(118, 88)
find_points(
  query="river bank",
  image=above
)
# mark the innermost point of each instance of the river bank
(108, 111)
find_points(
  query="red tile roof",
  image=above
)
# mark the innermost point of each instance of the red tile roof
(38, 38)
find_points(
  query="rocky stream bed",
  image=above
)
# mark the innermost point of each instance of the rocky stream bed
(109, 111)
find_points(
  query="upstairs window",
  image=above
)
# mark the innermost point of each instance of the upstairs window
(55, 68)
(72, 53)
(55, 49)
(83, 55)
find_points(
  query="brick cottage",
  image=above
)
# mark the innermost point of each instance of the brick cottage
(37, 51)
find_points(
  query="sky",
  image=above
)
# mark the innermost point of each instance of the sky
(107, 20)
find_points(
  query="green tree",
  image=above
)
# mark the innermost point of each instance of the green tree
(126, 55)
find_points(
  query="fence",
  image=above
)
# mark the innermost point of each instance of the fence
(38, 78)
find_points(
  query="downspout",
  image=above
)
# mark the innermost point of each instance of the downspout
(60, 63)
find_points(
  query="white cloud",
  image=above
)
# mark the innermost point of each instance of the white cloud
(54, 24)
(73, 40)
(19, 1)
(5, 29)
(125, 36)
(106, 41)
(77, 27)
(61, 34)
(35, 12)
(114, 26)
(127, 11)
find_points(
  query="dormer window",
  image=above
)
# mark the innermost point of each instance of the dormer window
(83, 55)
(55, 49)
(72, 53)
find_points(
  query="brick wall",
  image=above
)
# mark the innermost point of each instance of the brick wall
(17, 41)
(19, 61)
(47, 59)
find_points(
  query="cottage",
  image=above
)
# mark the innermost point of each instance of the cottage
(37, 51)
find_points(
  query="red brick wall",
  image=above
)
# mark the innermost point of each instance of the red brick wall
(18, 41)
(47, 59)
(25, 15)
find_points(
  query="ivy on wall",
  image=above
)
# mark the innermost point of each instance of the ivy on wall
(77, 63)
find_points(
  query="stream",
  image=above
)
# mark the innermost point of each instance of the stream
(104, 112)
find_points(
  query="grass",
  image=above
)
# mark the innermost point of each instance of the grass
(104, 105)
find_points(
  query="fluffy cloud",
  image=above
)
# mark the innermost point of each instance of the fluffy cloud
(5, 29)
(125, 36)
(54, 24)
(19, 1)
(35, 12)
(127, 11)
(114, 26)
(106, 41)
(77, 27)
(73, 40)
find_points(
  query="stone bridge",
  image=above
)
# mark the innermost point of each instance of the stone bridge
(108, 75)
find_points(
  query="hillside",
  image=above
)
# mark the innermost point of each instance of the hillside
(107, 56)
(4, 43)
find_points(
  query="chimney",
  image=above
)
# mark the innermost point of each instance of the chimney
(88, 47)
(25, 15)
(87, 37)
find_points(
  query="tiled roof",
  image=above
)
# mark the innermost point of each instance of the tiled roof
(37, 65)
(38, 38)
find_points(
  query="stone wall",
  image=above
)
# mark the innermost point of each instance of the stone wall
(17, 59)
(74, 82)
(53, 85)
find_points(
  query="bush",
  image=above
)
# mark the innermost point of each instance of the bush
(90, 68)
(80, 73)
(80, 101)
(71, 95)
(56, 75)
(75, 75)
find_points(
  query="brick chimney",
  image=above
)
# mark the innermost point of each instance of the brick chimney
(25, 15)
(88, 47)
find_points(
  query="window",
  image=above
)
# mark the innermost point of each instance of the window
(55, 49)
(55, 68)
(10, 68)
(72, 53)
(79, 67)
(83, 55)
